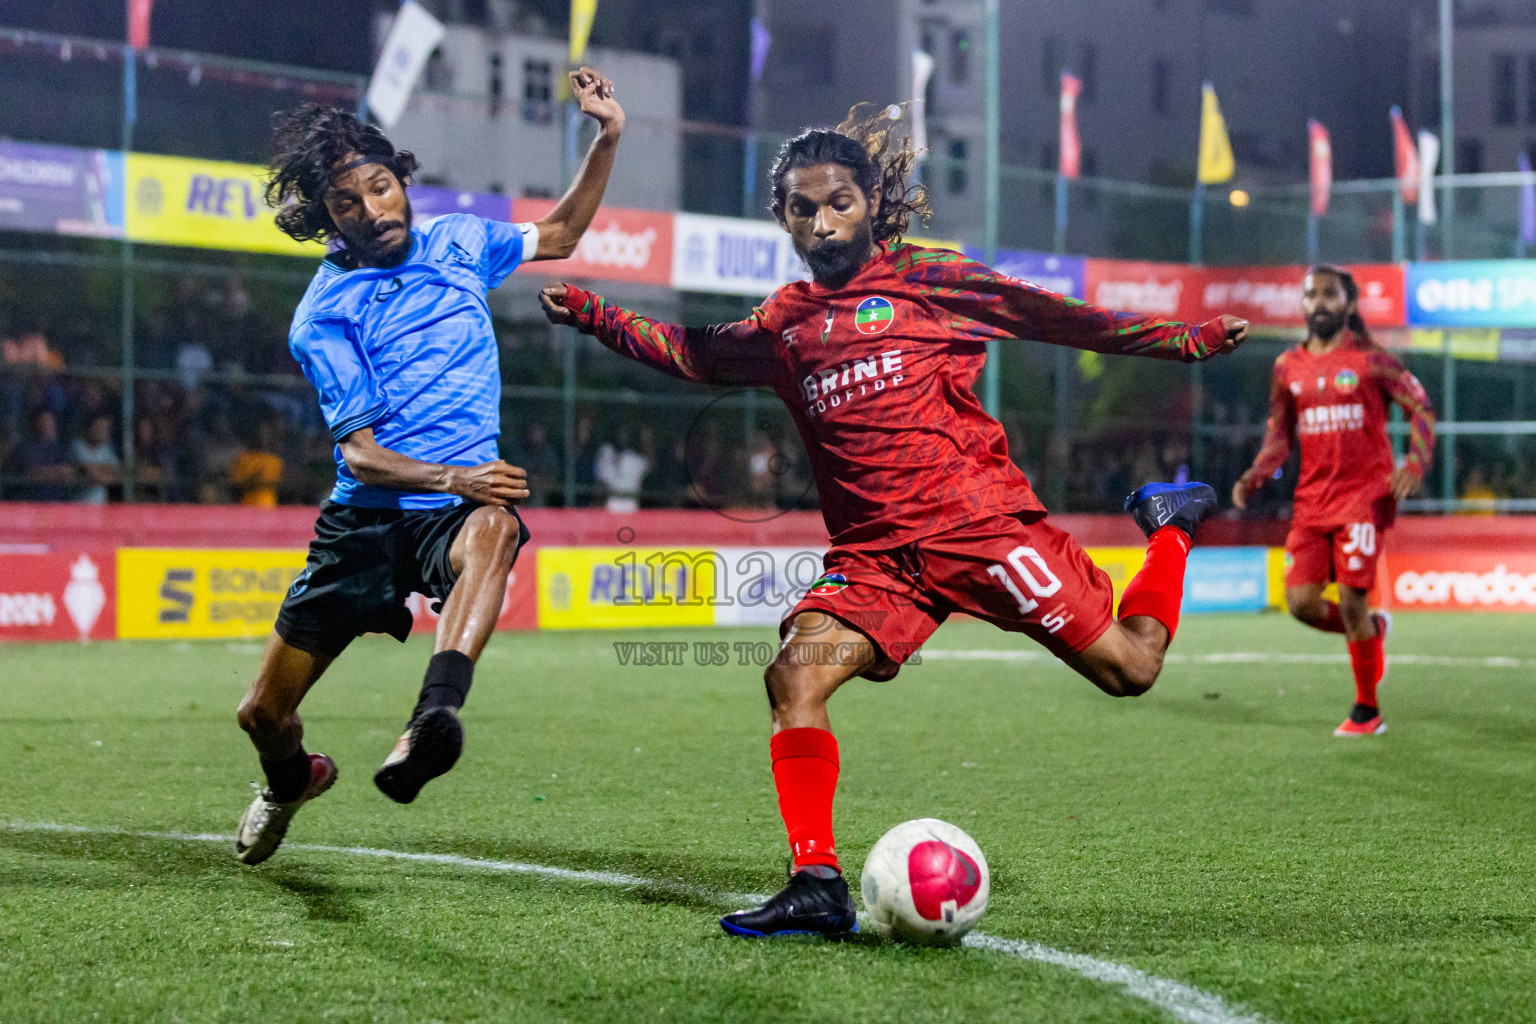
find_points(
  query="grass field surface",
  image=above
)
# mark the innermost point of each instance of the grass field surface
(1212, 834)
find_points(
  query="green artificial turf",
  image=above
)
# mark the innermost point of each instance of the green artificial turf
(1212, 832)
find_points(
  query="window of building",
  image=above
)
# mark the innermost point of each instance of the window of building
(497, 90)
(1162, 81)
(1505, 89)
(959, 168)
(1469, 160)
(1530, 88)
(538, 92)
(1088, 72)
(1050, 66)
(960, 56)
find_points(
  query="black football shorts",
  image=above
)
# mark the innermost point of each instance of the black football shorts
(363, 564)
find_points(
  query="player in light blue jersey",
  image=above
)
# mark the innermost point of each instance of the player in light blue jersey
(395, 334)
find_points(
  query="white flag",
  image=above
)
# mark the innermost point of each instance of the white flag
(1429, 159)
(412, 38)
(922, 70)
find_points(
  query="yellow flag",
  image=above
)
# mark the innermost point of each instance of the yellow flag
(582, 13)
(1216, 162)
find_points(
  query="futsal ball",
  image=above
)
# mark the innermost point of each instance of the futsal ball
(925, 882)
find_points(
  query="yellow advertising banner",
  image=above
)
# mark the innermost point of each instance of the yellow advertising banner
(615, 588)
(210, 204)
(1120, 563)
(177, 593)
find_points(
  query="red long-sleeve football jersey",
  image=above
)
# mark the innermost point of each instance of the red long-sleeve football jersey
(878, 374)
(1336, 404)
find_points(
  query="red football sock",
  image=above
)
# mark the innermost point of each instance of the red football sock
(1158, 589)
(1333, 620)
(1369, 661)
(805, 773)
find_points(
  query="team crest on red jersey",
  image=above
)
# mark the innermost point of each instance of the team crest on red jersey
(831, 583)
(1346, 381)
(874, 315)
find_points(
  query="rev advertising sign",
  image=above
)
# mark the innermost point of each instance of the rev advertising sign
(205, 203)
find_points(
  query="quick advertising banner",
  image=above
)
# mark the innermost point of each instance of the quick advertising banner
(60, 189)
(203, 203)
(58, 595)
(1064, 275)
(620, 245)
(1472, 293)
(732, 256)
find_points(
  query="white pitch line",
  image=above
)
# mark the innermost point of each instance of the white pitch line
(1248, 657)
(1184, 1002)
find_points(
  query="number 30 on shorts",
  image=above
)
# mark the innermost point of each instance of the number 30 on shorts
(1026, 562)
(1362, 539)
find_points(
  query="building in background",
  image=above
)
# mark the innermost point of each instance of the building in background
(1141, 63)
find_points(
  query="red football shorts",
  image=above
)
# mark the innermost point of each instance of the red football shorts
(1018, 572)
(1319, 554)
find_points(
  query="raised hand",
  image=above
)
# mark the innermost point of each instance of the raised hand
(594, 95)
(490, 483)
(1403, 482)
(1240, 494)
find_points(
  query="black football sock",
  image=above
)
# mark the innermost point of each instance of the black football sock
(447, 683)
(1362, 713)
(287, 777)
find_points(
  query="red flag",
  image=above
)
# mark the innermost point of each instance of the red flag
(1407, 157)
(1071, 147)
(138, 22)
(1322, 166)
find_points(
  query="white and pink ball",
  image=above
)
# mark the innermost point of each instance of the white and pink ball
(925, 882)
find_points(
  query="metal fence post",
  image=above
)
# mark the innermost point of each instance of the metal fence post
(1448, 415)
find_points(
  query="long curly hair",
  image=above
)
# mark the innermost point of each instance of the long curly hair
(1351, 293)
(307, 143)
(880, 156)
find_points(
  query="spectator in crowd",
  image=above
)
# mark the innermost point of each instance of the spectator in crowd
(667, 485)
(620, 469)
(214, 457)
(45, 468)
(96, 460)
(1475, 487)
(586, 461)
(29, 347)
(764, 466)
(257, 472)
(542, 463)
(154, 462)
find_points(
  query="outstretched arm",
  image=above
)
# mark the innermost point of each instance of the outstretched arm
(740, 354)
(987, 306)
(1402, 387)
(1277, 442)
(567, 222)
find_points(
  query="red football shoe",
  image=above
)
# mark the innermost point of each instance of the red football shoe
(1362, 721)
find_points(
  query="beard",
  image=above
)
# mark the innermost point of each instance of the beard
(833, 263)
(368, 249)
(1327, 325)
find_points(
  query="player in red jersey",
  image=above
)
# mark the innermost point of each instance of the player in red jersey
(875, 358)
(1332, 393)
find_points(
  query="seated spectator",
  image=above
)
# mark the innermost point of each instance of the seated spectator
(213, 455)
(46, 470)
(542, 464)
(1476, 488)
(30, 347)
(257, 471)
(764, 467)
(154, 462)
(97, 461)
(620, 469)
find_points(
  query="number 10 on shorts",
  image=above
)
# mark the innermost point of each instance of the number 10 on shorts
(1026, 562)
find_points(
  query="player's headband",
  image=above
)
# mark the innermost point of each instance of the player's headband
(356, 162)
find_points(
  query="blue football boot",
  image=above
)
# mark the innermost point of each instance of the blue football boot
(1186, 506)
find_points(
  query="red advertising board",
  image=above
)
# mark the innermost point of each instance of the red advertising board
(519, 609)
(1469, 581)
(58, 594)
(1270, 296)
(620, 245)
